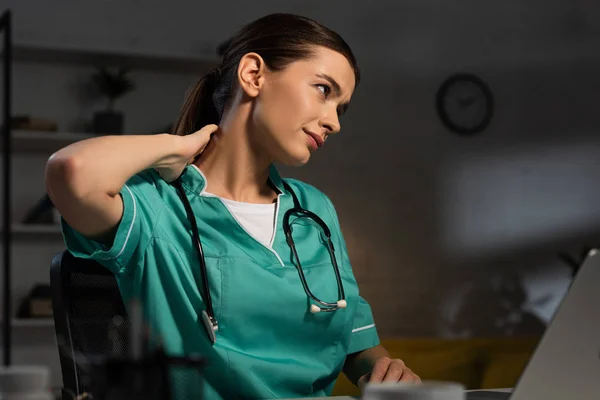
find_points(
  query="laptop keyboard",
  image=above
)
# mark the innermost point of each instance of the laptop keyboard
(487, 395)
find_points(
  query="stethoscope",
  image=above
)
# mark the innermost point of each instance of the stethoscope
(208, 316)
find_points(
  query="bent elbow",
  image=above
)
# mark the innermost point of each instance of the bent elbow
(61, 176)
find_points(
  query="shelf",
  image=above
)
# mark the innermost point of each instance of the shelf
(44, 142)
(29, 52)
(32, 231)
(32, 323)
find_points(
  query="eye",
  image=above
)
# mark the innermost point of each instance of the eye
(326, 89)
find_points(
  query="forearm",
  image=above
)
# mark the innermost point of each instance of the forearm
(104, 164)
(83, 180)
(361, 363)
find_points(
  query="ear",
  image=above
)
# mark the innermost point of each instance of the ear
(251, 74)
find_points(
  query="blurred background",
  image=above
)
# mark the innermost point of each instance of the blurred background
(466, 200)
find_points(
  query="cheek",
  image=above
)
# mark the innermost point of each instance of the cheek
(284, 109)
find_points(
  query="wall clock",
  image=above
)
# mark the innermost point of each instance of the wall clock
(465, 104)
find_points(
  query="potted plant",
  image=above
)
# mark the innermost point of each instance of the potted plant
(112, 85)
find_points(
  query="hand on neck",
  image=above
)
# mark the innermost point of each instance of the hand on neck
(235, 167)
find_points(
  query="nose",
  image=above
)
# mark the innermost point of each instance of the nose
(330, 123)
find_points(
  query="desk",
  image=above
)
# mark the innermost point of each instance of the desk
(329, 398)
(495, 394)
(354, 398)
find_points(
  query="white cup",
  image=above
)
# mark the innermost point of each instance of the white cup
(24, 378)
(428, 390)
(47, 395)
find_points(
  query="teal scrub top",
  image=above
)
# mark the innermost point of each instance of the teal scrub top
(269, 345)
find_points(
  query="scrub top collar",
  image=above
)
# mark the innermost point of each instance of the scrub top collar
(195, 180)
(268, 256)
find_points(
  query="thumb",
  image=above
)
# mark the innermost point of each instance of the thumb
(363, 380)
(206, 130)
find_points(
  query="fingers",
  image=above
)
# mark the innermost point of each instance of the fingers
(388, 370)
(395, 372)
(417, 378)
(205, 134)
(202, 137)
(409, 377)
(207, 130)
(380, 370)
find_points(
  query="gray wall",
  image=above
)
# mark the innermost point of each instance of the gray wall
(448, 235)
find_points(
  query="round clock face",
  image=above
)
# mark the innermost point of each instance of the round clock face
(465, 104)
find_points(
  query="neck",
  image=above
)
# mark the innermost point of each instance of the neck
(234, 166)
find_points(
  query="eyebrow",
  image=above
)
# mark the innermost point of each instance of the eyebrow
(337, 90)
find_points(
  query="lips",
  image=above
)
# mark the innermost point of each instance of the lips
(316, 137)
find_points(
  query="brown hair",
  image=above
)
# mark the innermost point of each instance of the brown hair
(279, 39)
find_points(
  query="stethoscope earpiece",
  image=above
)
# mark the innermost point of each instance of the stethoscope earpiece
(316, 309)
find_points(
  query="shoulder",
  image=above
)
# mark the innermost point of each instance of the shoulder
(149, 192)
(306, 190)
(312, 198)
(145, 179)
(149, 184)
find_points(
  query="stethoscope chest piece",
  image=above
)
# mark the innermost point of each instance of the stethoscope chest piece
(211, 326)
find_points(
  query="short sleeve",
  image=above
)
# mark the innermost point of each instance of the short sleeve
(141, 207)
(364, 333)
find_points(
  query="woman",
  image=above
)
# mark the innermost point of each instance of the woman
(277, 97)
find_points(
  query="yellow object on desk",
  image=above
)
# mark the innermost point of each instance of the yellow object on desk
(477, 363)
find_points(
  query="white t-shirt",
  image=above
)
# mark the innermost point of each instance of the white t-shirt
(257, 219)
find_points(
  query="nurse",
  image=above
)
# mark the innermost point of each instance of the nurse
(266, 297)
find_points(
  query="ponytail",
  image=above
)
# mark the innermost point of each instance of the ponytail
(201, 106)
(279, 39)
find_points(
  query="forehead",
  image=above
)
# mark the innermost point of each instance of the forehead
(325, 61)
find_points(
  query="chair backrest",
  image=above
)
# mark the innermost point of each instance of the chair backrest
(90, 318)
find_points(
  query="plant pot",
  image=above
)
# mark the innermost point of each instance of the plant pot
(108, 122)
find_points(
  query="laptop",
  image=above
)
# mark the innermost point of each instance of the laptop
(566, 362)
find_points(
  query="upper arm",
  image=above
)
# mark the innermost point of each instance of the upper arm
(364, 332)
(94, 215)
(141, 206)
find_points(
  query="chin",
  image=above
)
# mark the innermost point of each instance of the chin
(295, 157)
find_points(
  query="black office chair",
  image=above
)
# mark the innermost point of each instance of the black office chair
(90, 319)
